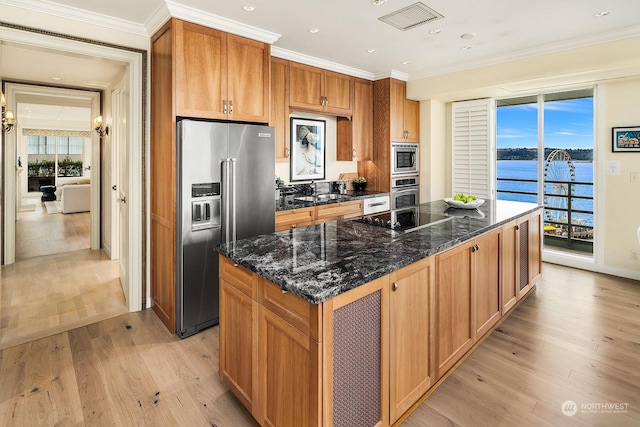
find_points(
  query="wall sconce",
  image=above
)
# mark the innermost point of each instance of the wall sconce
(8, 119)
(97, 126)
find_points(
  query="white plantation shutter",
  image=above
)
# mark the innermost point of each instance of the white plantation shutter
(473, 148)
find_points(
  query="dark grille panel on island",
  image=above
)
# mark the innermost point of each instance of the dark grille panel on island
(356, 363)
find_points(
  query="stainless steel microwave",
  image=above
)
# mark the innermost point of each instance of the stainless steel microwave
(404, 159)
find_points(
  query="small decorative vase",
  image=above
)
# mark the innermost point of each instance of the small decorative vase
(359, 186)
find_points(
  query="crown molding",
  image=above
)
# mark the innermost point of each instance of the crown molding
(157, 18)
(321, 63)
(394, 74)
(575, 43)
(68, 12)
(197, 16)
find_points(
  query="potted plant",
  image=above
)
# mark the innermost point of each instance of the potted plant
(359, 183)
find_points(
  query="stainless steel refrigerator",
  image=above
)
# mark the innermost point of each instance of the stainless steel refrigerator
(226, 178)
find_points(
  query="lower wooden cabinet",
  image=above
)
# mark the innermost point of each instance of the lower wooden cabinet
(453, 305)
(238, 332)
(487, 281)
(336, 211)
(296, 218)
(411, 371)
(521, 258)
(467, 296)
(289, 372)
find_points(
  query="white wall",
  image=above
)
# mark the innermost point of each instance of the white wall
(621, 198)
(333, 167)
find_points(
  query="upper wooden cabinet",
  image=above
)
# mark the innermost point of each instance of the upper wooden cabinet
(219, 75)
(315, 89)
(355, 136)
(405, 114)
(411, 121)
(280, 107)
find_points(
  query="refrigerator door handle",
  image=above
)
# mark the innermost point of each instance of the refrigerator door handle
(234, 234)
(226, 199)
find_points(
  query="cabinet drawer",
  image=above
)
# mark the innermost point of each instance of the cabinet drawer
(239, 277)
(337, 211)
(294, 218)
(296, 311)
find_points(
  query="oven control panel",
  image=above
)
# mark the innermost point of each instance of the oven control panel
(376, 204)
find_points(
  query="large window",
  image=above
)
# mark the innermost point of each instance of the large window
(50, 156)
(560, 127)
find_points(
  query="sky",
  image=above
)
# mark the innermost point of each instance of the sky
(567, 124)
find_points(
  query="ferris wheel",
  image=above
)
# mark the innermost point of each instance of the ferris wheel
(558, 167)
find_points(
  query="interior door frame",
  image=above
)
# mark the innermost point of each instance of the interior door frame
(136, 70)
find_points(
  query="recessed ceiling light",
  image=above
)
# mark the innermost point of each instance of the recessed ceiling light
(56, 78)
(377, 2)
(435, 31)
(467, 36)
(465, 47)
(249, 7)
(371, 50)
(405, 62)
(601, 14)
(313, 30)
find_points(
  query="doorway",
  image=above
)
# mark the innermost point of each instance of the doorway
(135, 76)
(55, 146)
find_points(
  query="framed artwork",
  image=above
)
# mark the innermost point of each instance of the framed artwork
(307, 149)
(626, 139)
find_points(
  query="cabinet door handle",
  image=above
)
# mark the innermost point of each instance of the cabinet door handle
(473, 248)
(406, 134)
(230, 107)
(477, 247)
(224, 107)
(283, 291)
(293, 226)
(354, 152)
(394, 286)
(517, 227)
(288, 152)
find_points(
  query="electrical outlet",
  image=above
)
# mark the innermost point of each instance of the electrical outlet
(633, 255)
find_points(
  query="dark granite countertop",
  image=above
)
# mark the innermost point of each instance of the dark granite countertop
(297, 201)
(321, 261)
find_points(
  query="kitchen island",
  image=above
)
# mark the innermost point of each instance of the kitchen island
(343, 323)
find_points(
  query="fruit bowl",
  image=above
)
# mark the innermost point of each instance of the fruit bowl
(459, 204)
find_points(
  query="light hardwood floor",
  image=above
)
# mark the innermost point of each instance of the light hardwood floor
(575, 338)
(49, 294)
(40, 233)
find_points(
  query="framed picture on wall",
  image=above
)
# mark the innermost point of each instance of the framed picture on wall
(307, 149)
(626, 139)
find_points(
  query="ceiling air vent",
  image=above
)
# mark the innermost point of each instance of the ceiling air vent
(411, 16)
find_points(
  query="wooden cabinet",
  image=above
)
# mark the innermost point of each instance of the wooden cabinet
(467, 296)
(389, 104)
(295, 218)
(521, 258)
(315, 89)
(411, 121)
(279, 117)
(219, 75)
(266, 360)
(355, 136)
(238, 332)
(195, 72)
(290, 374)
(336, 211)
(303, 217)
(397, 97)
(410, 347)
(453, 305)
(486, 260)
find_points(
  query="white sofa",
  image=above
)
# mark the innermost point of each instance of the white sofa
(76, 198)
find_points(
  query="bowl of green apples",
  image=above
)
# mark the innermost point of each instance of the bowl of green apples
(464, 201)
